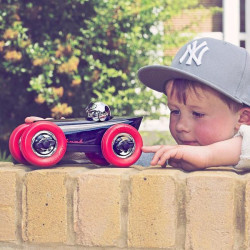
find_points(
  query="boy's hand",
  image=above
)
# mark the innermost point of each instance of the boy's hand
(180, 156)
(222, 153)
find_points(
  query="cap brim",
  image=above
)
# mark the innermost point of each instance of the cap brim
(156, 76)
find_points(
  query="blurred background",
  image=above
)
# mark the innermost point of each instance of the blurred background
(58, 55)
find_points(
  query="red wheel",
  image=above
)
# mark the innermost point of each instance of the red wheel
(14, 142)
(43, 144)
(121, 145)
(97, 159)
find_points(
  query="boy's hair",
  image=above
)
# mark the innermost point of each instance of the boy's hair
(180, 86)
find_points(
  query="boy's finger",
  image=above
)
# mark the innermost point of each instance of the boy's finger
(150, 149)
(163, 154)
(157, 156)
(31, 119)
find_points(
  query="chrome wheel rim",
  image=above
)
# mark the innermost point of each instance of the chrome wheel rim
(44, 144)
(123, 145)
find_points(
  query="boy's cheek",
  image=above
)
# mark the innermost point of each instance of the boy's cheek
(208, 135)
(172, 130)
(174, 135)
(204, 133)
(205, 138)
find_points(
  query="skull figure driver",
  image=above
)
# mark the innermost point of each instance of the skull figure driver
(98, 111)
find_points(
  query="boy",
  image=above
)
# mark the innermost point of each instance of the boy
(208, 90)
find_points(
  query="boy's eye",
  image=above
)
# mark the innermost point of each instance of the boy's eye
(198, 115)
(175, 112)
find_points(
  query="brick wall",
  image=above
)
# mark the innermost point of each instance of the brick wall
(85, 207)
(197, 21)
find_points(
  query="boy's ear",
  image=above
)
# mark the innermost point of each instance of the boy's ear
(244, 116)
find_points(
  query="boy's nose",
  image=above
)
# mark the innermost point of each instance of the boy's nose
(183, 125)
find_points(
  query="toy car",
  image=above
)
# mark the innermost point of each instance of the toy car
(43, 143)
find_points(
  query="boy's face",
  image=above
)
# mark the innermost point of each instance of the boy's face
(203, 120)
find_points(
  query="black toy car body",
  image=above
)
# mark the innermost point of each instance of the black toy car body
(44, 143)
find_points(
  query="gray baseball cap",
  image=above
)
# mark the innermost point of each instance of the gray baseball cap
(216, 63)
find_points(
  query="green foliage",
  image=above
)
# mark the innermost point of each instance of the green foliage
(56, 56)
(157, 138)
(5, 157)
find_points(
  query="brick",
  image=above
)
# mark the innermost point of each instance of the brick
(247, 212)
(198, 20)
(45, 206)
(210, 211)
(7, 204)
(152, 213)
(97, 207)
(6, 164)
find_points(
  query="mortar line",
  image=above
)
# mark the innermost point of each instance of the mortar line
(21, 198)
(240, 212)
(181, 186)
(124, 199)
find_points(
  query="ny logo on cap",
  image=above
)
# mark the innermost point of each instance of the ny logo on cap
(192, 53)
